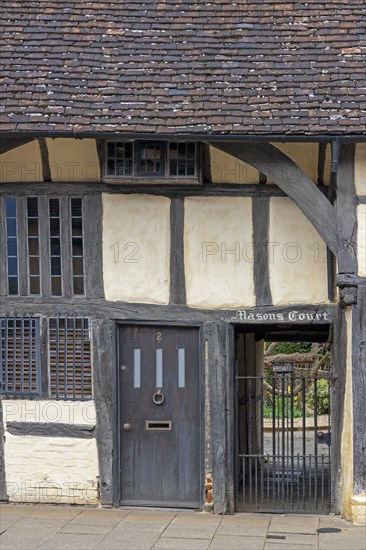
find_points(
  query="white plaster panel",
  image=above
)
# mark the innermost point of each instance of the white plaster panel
(216, 278)
(74, 160)
(360, 169)
(22, 164)
(361, 239)
(297, 256)
(227, 169)
(65, 412)
(136, 248)
(51, 469)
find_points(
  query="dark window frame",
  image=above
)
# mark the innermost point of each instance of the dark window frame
(34, 255)
(14, 237)
(43, 258)
(162, 176)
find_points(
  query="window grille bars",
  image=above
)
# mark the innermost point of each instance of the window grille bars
(20, 356)
(70, 363)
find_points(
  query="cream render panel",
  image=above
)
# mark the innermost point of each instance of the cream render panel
(218, 252)
(297, 256)
(73, 160)
(306, 155)
(361, 239)
(360, 169)
(136, 248)
(22, 164)
(228, 169)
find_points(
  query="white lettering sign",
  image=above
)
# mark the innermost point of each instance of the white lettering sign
(292, 316)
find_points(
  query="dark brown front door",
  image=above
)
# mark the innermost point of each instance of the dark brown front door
(159, 416)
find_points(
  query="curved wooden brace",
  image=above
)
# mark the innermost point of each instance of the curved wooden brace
(285, 173)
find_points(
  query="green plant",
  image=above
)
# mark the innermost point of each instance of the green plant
(322, 393)
(282, 404)
(292, 347)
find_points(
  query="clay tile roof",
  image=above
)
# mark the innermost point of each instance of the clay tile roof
(175, 66)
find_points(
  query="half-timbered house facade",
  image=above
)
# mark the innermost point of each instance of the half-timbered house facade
(181, 184)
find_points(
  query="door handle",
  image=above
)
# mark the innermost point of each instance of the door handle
(127, 427)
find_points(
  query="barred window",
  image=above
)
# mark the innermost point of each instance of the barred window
(20, 356)
(70, 362)
(149, 159)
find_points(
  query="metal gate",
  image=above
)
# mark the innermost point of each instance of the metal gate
(283, 441)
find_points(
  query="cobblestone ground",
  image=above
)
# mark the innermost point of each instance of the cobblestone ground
(30, 527)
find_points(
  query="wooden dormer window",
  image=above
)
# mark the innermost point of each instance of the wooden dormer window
(136, 161)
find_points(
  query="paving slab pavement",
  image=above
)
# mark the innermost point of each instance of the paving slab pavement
(46, 527)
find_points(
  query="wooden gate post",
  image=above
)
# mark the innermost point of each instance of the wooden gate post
(358, 500)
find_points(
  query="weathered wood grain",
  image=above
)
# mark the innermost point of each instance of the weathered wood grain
(102, 309)
(173, 190)
(177, 275)
(51, 429)
(93, 237)
(337, 389)
(359, 391)
(260, 215)
(350, 279)
(46, 169)
(104, 388)
(346, 211)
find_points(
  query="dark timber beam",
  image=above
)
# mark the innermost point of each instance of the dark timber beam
(177, 278)
(346, 210)
(260, 215)
(285, 173)
(8, 144)
(46, 169)
(52, 429)
(322, 151)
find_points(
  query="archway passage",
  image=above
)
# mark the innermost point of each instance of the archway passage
(283, 428)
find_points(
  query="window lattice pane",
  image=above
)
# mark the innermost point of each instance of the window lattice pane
(70, 358)
(120, 159)
(55, 245)
(33, 245)
(182, 159)
(150, 159)
(12, 245)
(77, 246)
(19, 358)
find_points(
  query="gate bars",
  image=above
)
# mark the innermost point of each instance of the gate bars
(283, 442)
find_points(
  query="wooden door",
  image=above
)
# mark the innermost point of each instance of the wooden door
(159, 416)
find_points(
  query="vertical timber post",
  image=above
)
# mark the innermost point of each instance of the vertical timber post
(358, 500)
(215, 335)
